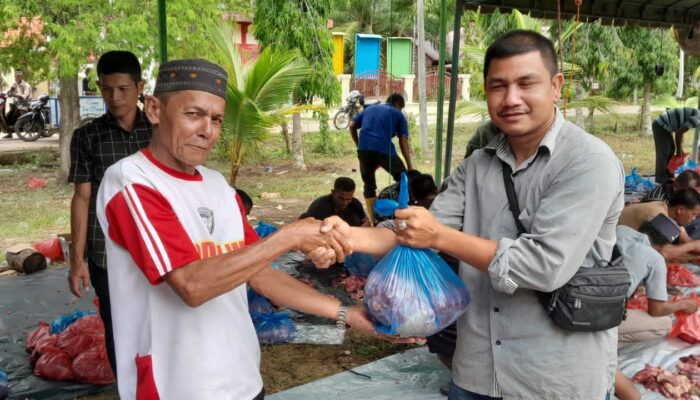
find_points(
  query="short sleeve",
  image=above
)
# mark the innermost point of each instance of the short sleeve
(402, 125)
(358, 119)
(81, 166)
(142, 221)
(655, 282)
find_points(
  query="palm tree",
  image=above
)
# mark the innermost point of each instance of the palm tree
(258, 95)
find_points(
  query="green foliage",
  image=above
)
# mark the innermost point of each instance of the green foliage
(328, 140)
(635, 63)
(301, 24)
(255, 93)
(669, 101)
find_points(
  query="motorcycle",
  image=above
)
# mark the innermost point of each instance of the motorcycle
(8, 121)
(37, 122)
(345, 114)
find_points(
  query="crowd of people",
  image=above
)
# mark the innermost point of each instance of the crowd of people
(167, 246)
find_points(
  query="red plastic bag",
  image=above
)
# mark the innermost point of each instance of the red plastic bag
(93, 367)
(36, 334)
(640, 302)
(687, 328)
(46, 342)
(678, 275)
(36, 183)
(50, 248)
(82, 335)
(54, 364)
(675, 162)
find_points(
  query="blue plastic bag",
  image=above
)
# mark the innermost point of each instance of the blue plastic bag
(637, 183)
(413, 292)
(360, 264)
(274, 327)
(689, 164)
(264, 229)
(258, 304)
(60, 323)
(4, 385)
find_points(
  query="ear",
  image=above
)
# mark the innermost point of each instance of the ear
(152, 108)
(557, 84)
(139, 86)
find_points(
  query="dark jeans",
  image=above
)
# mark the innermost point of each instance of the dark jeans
(457, 393)
(665, 148)
(369, 161)
(98, 278)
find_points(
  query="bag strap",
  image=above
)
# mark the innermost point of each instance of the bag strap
(512, 196)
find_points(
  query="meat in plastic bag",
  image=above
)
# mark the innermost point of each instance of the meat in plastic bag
(38, 333)
(60, 323)
(274, 327)
(678, 275)
(93, 367)
(54, 364)
(258, 303)
(82, 335)
(414, 293)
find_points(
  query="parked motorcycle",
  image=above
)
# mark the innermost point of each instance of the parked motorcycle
(37, 122)
(8, 121)
(345, 114)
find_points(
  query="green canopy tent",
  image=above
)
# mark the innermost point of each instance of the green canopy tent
(682, 15)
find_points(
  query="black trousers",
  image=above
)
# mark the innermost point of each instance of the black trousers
(98, 278)
(369, 161)
(665, 148)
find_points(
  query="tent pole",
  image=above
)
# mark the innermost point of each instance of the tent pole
(441, 92)
(453, 87)
(162, 32)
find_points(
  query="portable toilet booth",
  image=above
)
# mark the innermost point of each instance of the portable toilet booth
(338, 52)
(399, 56)
(367, 47)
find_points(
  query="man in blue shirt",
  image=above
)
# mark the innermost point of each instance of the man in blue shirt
(379, 124)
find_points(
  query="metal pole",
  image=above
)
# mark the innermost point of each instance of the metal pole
(162, 32)
(441, 93)
(694, 150)
(422, 101)
(453, 88)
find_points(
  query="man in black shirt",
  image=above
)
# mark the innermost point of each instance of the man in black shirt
(341, 203)
(123, 130)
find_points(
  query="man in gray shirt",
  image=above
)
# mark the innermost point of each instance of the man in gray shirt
(570, 188)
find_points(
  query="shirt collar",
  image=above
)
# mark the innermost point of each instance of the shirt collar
(501, 147)
(139, 120)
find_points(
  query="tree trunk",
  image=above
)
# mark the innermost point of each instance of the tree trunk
(580, 92)
(422, 97)
(25, 261)
(646, 110)
(681, 71)
(297, 147)
(69, 102)
(285, 135)
(634, 97)
(591, 121)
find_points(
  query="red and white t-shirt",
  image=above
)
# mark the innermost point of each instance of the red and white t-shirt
(157, 219)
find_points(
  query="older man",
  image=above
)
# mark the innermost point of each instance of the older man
(570, 188)
(21, 90)
(180, 252)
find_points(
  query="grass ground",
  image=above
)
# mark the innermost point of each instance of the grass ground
(29, 215)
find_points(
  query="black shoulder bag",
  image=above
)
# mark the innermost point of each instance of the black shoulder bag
(594, 299)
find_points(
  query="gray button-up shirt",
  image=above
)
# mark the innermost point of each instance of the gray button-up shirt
(571, 195)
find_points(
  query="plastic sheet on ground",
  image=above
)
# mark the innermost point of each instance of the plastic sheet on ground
(663, 352)
(24, 301)
(411, 375)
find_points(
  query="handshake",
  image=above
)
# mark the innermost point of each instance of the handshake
(324, 242)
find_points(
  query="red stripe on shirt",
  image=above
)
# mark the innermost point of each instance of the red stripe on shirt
(125, 232)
